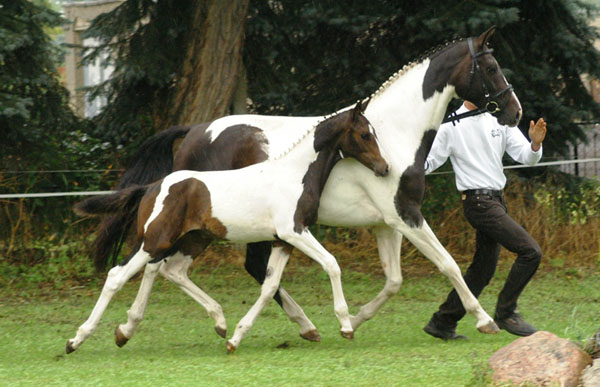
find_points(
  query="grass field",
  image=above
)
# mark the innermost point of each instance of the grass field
(176, 343)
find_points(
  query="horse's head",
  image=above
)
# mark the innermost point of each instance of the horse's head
(480, 80)
(354, 137)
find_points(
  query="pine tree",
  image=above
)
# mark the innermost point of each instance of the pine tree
(34, 114)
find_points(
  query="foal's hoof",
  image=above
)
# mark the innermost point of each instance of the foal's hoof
(230, 347)
(311, 335)
(120, 338)
(347, 335)
(489, 328)
(69, 347)
(221, 331)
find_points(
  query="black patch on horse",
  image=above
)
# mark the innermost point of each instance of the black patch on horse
(411, 189)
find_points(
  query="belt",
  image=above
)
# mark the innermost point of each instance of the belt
(489, 192)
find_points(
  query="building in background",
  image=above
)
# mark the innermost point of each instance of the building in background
(80, 14)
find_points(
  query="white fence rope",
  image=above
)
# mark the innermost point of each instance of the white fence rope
(88, 193)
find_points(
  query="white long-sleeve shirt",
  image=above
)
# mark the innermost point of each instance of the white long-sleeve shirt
(475, 147)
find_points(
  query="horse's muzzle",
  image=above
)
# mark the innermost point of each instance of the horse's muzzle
(382, 171)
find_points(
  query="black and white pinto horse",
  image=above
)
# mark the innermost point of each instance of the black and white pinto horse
(406, 112)
(276, 200)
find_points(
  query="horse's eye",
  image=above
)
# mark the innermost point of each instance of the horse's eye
(491, 70)
(365, 136)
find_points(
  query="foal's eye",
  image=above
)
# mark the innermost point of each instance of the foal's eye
(365, 136)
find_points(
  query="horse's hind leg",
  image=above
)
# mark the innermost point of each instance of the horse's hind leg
(117, 276)
(175, 270)
(277, 261)
(389, 243)
(135, 314)
(257, 259)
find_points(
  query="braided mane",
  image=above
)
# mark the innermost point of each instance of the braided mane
(429, 54)
(303, 136)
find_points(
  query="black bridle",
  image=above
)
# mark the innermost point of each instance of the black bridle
(491, 105)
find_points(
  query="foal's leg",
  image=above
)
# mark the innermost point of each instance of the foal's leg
(309, 245)
(117, 276)
(175, 270)
(257, 260)
(277, 261)
(135, 314)
(389, 243)
(425, 240)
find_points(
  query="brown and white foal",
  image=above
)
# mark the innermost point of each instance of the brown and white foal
(271, 201)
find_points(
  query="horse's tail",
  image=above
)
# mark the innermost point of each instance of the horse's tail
(154, 158)
(121, 208)
(152, 161)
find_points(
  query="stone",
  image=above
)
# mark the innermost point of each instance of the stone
(591, 375)
(540, 359)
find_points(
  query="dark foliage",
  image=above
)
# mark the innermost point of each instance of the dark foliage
(314, 48)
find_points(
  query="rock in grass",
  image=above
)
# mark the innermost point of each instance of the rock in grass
(540, 359)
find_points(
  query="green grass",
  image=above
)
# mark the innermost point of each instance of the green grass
(176, 343)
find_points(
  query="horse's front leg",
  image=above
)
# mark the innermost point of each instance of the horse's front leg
(309, 245)
(389, 243)
(277, 261)
(425, 240)
(117, 277)
(257, 260)
(175, 270)
(135, 314)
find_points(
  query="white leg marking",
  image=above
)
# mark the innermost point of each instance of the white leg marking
(307, 243)
(117, 276)
(277, 261)
(175, 270)
(389, 243)
(297, 315)
(425, 240)
(135, 314)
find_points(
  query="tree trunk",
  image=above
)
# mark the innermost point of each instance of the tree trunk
(211, 72)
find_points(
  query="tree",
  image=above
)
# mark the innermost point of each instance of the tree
(324, 55)
(33, 105)
(175, 63)
(315, 57)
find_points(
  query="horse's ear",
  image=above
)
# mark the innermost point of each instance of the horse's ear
(364, 105)
(359, 109)
(485, 37)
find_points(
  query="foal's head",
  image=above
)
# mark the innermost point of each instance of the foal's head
(350, 134)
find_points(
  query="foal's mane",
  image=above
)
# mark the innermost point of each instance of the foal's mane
(429, 54)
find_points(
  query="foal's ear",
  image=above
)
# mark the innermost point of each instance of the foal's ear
(359, 109)
(485, 37)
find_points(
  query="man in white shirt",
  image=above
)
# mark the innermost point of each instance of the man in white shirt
(475, 146)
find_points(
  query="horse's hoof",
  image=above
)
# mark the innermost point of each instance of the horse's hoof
(347, 335)
(120, 338)
(221, 332)
(69, 347)
(311, 335)
(489, 328)
(230, 347)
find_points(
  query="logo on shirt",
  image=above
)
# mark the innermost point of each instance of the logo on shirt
(496, 132)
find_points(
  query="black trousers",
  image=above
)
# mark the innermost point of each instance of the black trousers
(488, 215)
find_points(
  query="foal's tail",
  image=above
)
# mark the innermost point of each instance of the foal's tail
(121, 206)
(153, 161)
